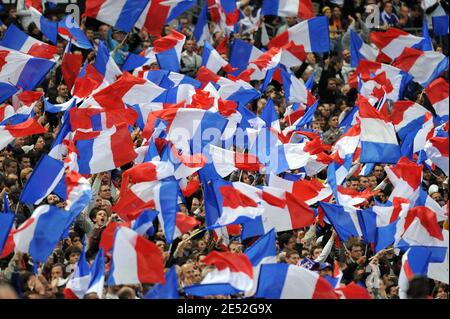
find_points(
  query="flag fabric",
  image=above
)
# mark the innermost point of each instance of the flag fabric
(440, 25)
(15, 39)
(122, 15)
(10, 132)
(378, 140)
(360, 50)
(283, 8)
(135, 260)
(169, 290)
(282, 281)
(101, 151)
(437, 93)
(242, 53)
(19, 70)
(6, 223)
(295, 90)
(201, 31)
(78, 284)
(414, 263)
(233, 273)
(436, 149)
(168, 51)
(212, 59)
(312, 34)
(97, 274)
(106, 66)
(344, 221)
(423, 66)
(69, 29)
(47, 27)
(406, 116)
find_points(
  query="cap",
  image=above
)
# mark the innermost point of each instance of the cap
(433, 189)
(325, 9)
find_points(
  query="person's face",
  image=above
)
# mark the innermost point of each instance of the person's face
(189, 46)
(57, 272)
(90, 34)
(101, 218)
(404, 11)
(201, 245)
(60, 48)
(105, 192)
(25, 162)
(40, 143)
(246, 180)
(188, 271)
(327, 13)
(346, 55)
(77, 242)
(73, 258)
(20, 141)
(441, 294)
(52, 199)
(62, 90)
(356, 252)
(332, 86)
(388, 7)
(103, 31)
(316, 126)
(317, 252)
(160, 245)
(378, 171)
(382, 197)
(11, 168)
(195, 204)
(293, 259)
(373, 182)
(247, 11)
(336, 12)
(364, 182)
(436, 196)
(235, 248)
(354, 185)
(334, 122)
(291, 243)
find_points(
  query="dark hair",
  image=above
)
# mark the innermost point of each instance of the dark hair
(291, 252)
(419, 288)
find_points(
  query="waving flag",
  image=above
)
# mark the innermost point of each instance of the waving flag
(241, 54)
(43, 180)
(168, 51)
(416, 140)
(122, 15)
(295, 90)
(213, 60)
(201, 32)
(79, 192)
(166, 202)
(283, 281)
(169, 290)
(262, 251)
(15, 39)
(9, 133)
(344, 220)
(414, 263)
(284, 8)
(406, 116)
(106, 66)
(379, 222)
(157, 13)
(312, 34)
(18, 70)
(184, 223)
(378, 140)
(393, 41)
(47, 27)
(233, 273)
(69, 29)
(56, 108)
(360, 50)
(144, 223)
(437, 93)
(101, 151)
(6, 222)
(40, 233)
(423, 66)
(281, 210)
(135, 260)
(97, 274)
(78, 284)
(436, 149)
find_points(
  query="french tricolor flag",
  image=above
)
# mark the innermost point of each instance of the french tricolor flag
(135, 260)
(143, 225)
(281, 210)
(360, 50)
(379, 222)
(242, 53)
(166, 202)
(288, 8)
(97, 274)
(437, 93)
(393, 41)
(168, 51)
(78, 284)
(436, 149)
(101, 151)
(15, 39)
(293, 55)
(69, 29)
(262, 251)
(213, 60)
(233, 273)
(295, 90)
(47, 27)
(312, 34)
(169, 290)
(122, 15)
(9, 133)
(201, 32)
(79, 192)
(344, 220)
(6, 223)
(440, 25)
(378, 140)
(415, 262)
(423, 66)
(106, 66)
(406, 116)
(20, 71)
(283, 281)
(184, 223)
(40, 233)
(416, 140)
(225, 162)
(309, 191)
